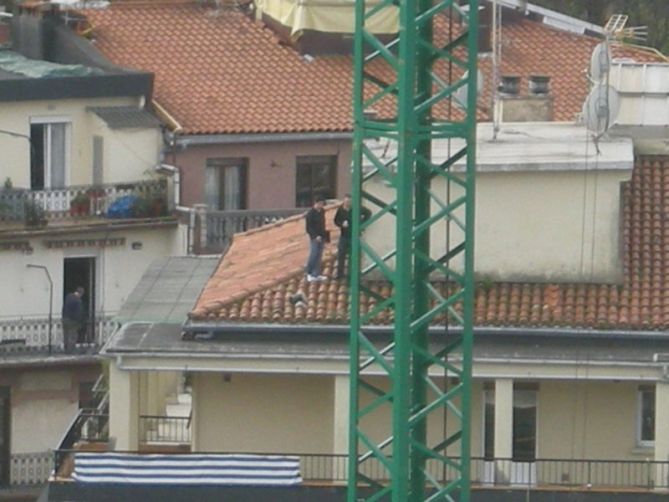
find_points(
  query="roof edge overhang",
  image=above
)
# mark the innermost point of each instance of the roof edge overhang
(194, 328)
(187, 140)
(130, 84)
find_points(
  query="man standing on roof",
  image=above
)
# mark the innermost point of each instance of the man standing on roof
(315, 220)
(343, 220)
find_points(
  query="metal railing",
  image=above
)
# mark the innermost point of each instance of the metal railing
(35, 207)
(542, 473)
(220, 226)
(164, 429)
(27, 469)
(32, 334)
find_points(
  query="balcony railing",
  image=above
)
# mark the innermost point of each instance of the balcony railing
(140, 199)
(163, 429)
(32, 334)
(220, 226)
(601, 475)
(28, 469)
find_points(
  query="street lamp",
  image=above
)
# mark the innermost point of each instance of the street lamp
(48, 276)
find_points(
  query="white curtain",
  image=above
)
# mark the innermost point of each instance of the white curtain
(57, 136)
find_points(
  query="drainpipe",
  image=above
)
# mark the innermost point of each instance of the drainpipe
(175, 172)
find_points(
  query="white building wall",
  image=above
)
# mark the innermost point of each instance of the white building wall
(533, 226)
(118, 269)
(16, 117)
(128, 154)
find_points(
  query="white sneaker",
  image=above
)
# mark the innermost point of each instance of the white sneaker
(322, 278)
(311, 278)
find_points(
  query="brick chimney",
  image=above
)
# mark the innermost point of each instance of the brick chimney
(536, 106)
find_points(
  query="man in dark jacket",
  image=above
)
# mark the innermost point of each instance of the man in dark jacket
(315, 220)
(73, 318)
(343, 220)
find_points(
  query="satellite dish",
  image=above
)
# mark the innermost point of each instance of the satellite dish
(600, 62)
(601, 109)
(462, 93)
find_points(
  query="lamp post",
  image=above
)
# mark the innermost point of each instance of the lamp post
(48, 276)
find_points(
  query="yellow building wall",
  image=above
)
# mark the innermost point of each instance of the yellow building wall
(588, 420)
(263, 413)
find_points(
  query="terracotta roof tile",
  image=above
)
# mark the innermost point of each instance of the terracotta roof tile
(256, 287)
(221, 72)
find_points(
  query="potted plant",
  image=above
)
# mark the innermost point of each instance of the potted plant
(141, 207)
(158, 206)
(11, 202)
(34, 214)
(80, 205)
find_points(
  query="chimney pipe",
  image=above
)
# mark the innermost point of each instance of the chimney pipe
(539, 85)
(510, 85)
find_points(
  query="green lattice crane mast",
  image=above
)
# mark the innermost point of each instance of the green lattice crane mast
(404, 94)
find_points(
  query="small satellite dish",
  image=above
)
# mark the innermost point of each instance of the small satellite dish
(601, 109)
(462, 93)
(600, 62)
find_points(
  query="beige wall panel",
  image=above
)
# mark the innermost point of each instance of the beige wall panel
(264, 413)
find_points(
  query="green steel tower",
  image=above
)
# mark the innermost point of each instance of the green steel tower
(409, 435)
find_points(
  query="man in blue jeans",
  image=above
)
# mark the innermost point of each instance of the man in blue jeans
(315, 220)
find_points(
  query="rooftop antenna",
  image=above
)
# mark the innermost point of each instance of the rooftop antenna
(601, 108)
(616, 29)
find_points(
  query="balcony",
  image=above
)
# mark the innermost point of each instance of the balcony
(560, 475)
(36, 209)
(33, 335)
(216, 228)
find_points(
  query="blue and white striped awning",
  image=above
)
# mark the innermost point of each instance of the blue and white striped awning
(185, 469)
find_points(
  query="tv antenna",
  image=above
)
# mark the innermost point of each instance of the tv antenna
(616, 29)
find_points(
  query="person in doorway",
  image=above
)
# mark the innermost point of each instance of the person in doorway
(342, 219)
(318, 236)
(73, 319)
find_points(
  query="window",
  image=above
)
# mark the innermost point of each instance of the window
(646, 416)
(524, 425)
(489, 424)
(49, 147)
(225, 184)
(315, 176)
(524, 439)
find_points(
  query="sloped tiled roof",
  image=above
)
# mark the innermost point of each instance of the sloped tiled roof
(221, 72)
(257, 261)
(640, 302)
(224, 73)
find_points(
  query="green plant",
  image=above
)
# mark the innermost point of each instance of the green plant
(80, 198)
(34, 214)
(141, 207)
(8, 183)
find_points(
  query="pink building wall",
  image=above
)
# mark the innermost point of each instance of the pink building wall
(271, 169)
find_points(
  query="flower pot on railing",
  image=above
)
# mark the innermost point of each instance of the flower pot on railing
(146, 206)
(80, 205)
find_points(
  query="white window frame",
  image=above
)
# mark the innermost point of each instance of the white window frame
(38, 120)
(639, 417)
